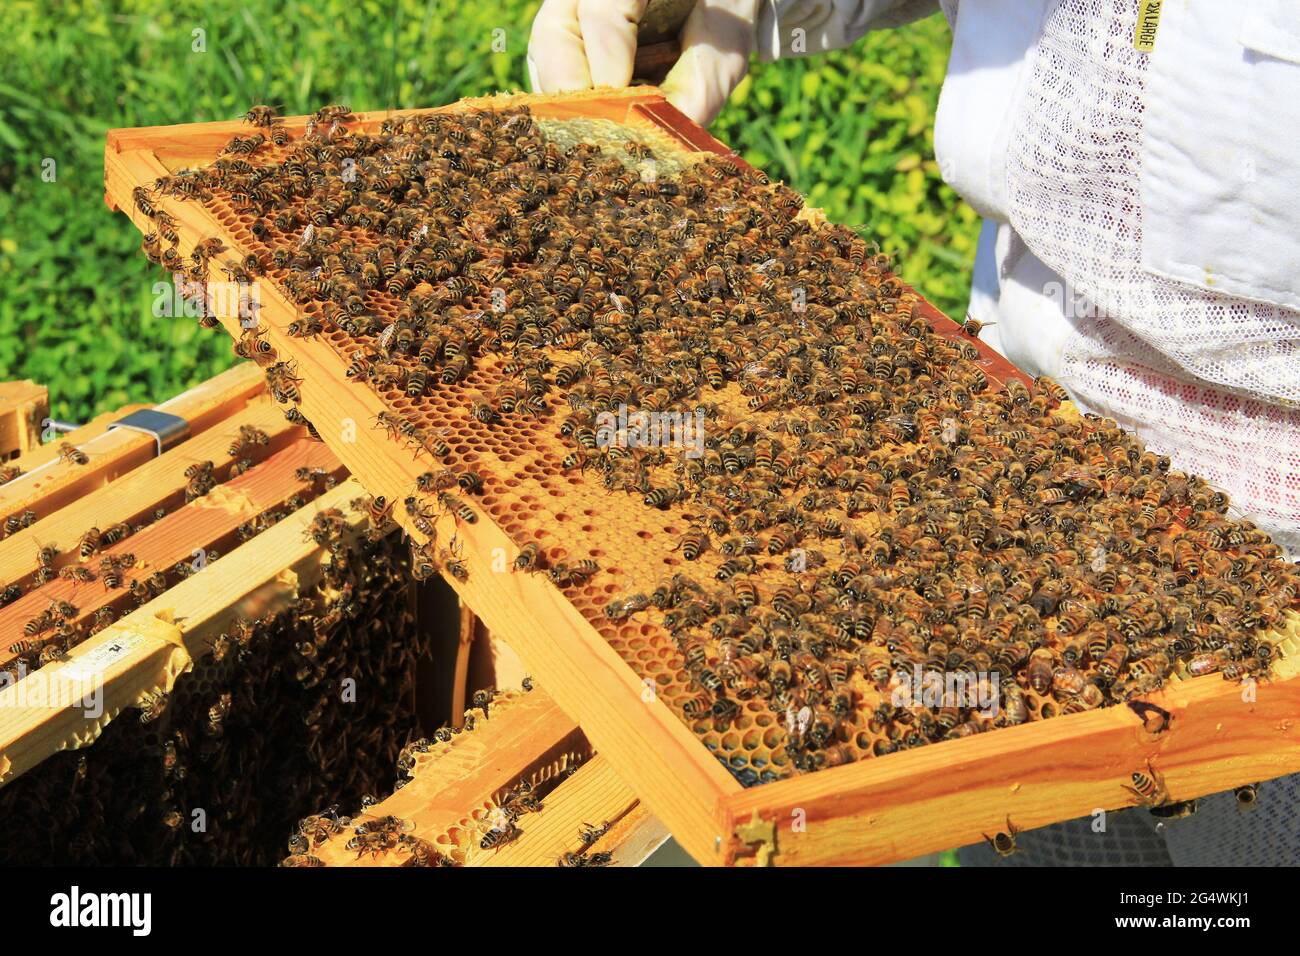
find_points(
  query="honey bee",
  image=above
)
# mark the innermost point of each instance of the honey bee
(738, 565)
(249, 436)
(373, 842)
(498, 836)
(461, 510)
(422, 853)
(590, 834)
(144, 201)
(72, 455)
(693, 544)
(244, 145)
(77, 575)
(429, 483)
(216, 717)
(335, 112)
(327, 527)
(1051, 389)
(1042, 663)
(1175, 811)
(152, 706)
(470, 482)
(17, 522)
(101, 619)
(1004, 843)
(378, 509)
(662, 497)
(264, 116)
(56, 650)
(453, 563)
(308, 475)
(529, 557)
(1113, 660)
(420, 518)
(317, 828)
(282, 381)
(139, 591)
(565, 575)
(37, 625)
(46, 555)
(305, 328)
(202, 479)
(1149, 788)
(1247, 796)
(110, 573)
(117, 532)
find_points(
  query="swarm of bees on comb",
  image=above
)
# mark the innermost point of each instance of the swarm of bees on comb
(256, 735)
(866, 506)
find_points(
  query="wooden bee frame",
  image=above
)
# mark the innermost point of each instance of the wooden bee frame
(1217, 735)
(448, 802)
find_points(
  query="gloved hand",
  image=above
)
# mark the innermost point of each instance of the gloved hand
(578, 44)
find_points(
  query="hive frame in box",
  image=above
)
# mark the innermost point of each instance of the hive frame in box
(48, 484)
(456, 785)
(145, 650)
(874, 811)
(210, 520)
(148, 649)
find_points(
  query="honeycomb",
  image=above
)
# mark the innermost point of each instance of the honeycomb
(888, 514)
(255, 736)
(614, 139)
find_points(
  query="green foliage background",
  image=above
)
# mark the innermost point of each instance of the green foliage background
(851, 130)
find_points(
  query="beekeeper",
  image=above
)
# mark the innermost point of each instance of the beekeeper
(1137, 165)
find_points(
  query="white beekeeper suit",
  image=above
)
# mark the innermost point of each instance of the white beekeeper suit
(1142, 233)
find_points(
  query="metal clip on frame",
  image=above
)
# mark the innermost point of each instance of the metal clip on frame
(167, 430)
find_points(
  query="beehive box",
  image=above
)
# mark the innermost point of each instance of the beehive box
(219, 648)
(624, 680)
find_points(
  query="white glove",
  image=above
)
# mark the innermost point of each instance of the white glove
(716, 43)
(578, 44)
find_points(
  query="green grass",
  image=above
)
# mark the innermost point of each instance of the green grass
(852, 131)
